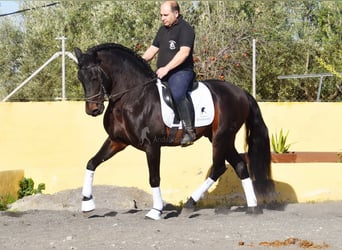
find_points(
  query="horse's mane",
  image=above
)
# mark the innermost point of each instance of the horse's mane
(108, 46)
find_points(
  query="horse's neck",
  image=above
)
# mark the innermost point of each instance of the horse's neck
(128, 82)
(124, 77)
(127, 77)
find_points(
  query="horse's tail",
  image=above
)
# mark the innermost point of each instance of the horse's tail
(259, 153)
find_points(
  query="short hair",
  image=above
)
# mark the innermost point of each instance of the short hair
(174, 6)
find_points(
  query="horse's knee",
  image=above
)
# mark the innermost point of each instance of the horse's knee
(241, 170)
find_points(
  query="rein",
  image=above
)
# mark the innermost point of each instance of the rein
(115, 97)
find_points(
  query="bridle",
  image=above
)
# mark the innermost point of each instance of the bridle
(102, 90)
(91, 98)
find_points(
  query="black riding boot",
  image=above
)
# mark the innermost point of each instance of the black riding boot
(184, 111)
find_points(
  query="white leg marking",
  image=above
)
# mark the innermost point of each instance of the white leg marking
(157, 199)
(88, 183)
(156, 211)
(87, 190)
(247, 185)
(202, 189)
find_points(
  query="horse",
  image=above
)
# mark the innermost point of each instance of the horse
(116, 72)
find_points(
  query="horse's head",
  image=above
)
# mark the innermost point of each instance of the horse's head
(92, 77)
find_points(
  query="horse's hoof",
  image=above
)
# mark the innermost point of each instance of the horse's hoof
(153, 214)
(88, 205)
(254, 210)
(188, 208)
(186, 212)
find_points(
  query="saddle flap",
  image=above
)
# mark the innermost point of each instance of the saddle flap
(167, 96)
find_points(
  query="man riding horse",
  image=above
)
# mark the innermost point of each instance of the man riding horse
(175, 42)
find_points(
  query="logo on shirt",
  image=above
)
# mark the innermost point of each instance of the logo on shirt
(172, 44)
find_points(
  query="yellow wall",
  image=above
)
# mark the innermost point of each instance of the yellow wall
(52, 143)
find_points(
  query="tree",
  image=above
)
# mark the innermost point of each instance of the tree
(294, 46)
(293, 37)
(85, 24)
(223, 45)
(11, 37)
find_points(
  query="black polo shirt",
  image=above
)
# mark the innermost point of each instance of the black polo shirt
(170, 39)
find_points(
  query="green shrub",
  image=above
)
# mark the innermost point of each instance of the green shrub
(5, 200)
(26, 187)
(279, 144)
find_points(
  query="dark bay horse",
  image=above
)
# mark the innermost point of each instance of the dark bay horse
(134, 106)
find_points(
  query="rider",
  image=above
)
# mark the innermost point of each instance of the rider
(175, 42)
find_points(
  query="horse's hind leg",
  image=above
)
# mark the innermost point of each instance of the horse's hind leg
(241, 170)
(219, 156)
(108, 149)
(217, 169)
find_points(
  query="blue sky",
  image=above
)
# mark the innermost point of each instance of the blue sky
(8, 6)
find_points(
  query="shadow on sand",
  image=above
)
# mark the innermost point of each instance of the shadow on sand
(228, 193)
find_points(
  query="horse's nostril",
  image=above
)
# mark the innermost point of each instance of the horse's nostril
(95, 112)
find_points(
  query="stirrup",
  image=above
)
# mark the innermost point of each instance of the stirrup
(188, 139)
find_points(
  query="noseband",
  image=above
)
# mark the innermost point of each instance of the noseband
(91, 98)
(102, 90)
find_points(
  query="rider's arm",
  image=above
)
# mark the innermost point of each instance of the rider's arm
(180, 57)
(150, 53)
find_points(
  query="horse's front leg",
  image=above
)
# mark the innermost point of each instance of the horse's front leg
(153, 160)
(108, 149)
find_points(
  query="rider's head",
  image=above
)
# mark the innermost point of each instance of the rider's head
(169, 12)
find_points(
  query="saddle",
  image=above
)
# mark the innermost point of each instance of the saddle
(198, 95)
(169, 101)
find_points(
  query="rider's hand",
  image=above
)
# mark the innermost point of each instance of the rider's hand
(161, 72)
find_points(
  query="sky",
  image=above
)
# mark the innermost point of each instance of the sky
(8, 6)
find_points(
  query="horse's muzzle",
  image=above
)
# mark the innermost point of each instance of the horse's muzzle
(94, 109)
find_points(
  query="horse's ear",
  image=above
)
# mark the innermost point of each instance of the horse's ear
(78, 53)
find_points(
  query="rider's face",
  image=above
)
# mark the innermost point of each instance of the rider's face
(168, 16)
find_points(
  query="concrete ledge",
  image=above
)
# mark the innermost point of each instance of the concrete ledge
(9, 182)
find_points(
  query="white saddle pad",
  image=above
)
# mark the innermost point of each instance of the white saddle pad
(203, 106)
